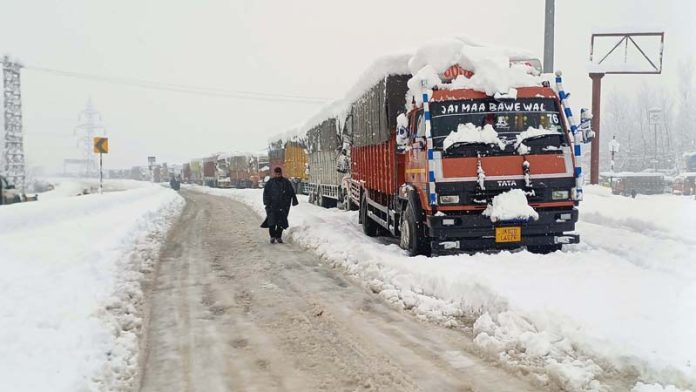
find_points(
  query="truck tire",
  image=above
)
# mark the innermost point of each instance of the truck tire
(412, 237)
(370, 227)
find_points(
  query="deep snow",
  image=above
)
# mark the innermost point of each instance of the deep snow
(620, 302)
(70, 285)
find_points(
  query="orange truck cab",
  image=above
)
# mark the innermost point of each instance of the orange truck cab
(431, 190)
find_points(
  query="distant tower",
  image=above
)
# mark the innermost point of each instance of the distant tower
(13, 166)
(89, 127)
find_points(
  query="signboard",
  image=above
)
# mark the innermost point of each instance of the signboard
(101, 145)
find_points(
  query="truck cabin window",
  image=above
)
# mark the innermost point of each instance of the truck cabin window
(508, 118)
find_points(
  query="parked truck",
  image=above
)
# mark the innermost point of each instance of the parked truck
(196, 171)
(209, 171)
(186, 173)
(432, 195)
(324, 144)
(635, 183)
(8, 193)
(276, 154)
(242, 169)
(222, 171)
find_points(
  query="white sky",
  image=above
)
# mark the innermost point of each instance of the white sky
(300, 47)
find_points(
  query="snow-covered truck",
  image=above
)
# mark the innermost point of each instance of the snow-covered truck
(186, 173)
(242, 170)
(324, 146)
(289, 152)
(448, 160)
(222, 171)
(210, 171)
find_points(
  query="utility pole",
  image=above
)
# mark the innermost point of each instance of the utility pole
(14, 145)
(549, 13)
(654, 116)
(88, 128)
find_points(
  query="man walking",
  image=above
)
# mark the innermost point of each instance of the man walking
(277, 196)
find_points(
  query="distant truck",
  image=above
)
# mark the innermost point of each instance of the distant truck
(290, 155)
(684, 184)
(209, 171)
(8, 193)
(222, 171)
(242, 171)
(632, 184)
(196, 166)
(186, 173)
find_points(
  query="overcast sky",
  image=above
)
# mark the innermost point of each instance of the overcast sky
(302, 47)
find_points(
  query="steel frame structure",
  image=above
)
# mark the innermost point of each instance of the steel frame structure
(625, 38)
(13, 165)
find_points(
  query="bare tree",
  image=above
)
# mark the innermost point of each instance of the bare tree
(685, 128)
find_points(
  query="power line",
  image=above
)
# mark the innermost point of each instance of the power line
(185, 89)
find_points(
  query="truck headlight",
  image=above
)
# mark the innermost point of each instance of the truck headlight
(559, 195)
(449, 199)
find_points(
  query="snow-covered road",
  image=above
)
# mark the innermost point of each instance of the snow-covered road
(621, 305)
(71, 269)
(230, 312)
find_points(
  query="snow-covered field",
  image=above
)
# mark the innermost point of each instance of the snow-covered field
(69, 186)
(70, 288)
(621, 304)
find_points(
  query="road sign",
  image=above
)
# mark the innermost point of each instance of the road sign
(101, 145)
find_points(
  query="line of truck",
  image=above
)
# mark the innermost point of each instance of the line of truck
(425, 163)
(223, 170)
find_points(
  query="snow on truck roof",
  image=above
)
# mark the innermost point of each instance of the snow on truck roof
(494, 70)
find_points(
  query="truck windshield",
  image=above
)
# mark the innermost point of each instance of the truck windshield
(509, 117)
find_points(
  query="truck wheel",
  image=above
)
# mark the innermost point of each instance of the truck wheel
(412, 239)
(369, 226)
(544, 249)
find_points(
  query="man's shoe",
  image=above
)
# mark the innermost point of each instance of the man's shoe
(273, 240)
(280, 240)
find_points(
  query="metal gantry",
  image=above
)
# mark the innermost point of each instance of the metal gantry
(13, 165)
(89, 127)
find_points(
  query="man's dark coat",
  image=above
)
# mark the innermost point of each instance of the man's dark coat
(277, 196)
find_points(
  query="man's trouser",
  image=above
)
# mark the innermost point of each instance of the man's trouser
(275, 231)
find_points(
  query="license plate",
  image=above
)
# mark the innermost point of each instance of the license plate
(508, 234)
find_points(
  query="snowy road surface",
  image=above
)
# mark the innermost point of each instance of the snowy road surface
(618, 307)
(231, 312)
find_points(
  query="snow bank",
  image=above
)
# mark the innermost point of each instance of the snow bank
(69, 186)
(469, 133)
(70, 290)
(619, 305)
(510, 205)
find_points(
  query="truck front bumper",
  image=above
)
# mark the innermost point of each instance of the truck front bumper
(477, 232)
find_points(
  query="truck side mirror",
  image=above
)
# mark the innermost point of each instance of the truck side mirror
(586, 125)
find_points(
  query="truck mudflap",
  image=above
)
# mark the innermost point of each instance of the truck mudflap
(477, 232)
